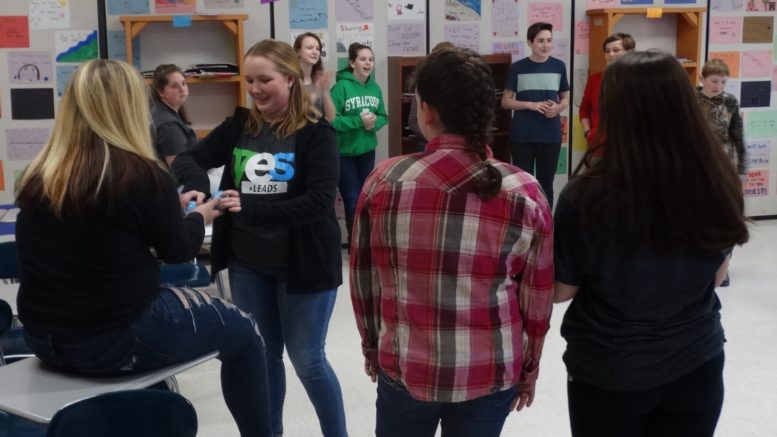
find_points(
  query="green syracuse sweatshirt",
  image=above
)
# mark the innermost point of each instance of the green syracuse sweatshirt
(351, 98)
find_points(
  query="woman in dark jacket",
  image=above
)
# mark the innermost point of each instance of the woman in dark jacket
(283, 247)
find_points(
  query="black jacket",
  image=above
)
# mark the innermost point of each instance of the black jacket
(315, 261)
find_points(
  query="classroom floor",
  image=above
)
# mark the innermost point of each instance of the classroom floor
(749, 318)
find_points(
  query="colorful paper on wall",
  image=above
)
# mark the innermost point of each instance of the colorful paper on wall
(348, 34)
(408, 10)
(463, 35)
(406, 39)
(579, 143)
(760, 5)
(308, 14)
(734, 87)
(756, 63)
(2, 177)
(582, 38)
(579, 80)
(462, 10)
(679, 2)
(725, 30)
(760, 124)
(224, 4)
(63, 76)
(598, 4)
(30, 67)
(563, 161)
(636, 2)
(49, 14)
(354, 10)
(757, 154)
(756, 94)
(730, 58)
(560, 50)
(727, 5)
(757, 183)
(548, 13)
(32, 103)
(14, 32)
(175, 6)
(117, 48)
(758, 30)
(130, 7)
(25, 144)
(504, 18)
(515, 48)
(75, 45)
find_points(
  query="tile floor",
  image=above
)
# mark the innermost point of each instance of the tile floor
(749, 317)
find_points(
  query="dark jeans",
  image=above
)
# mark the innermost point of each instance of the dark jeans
(687, 407)
(399, 415)
(179, 325)
(298, 322)
(353, 172)
(540, 156)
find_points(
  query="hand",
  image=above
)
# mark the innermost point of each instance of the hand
(209, 210)
(368, 118)
(543, 107)
(188, 196)
(324, 80)
(371, 366)
(229, 200)
(524, 397)
(553, 109)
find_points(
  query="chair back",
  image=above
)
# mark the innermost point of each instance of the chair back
(129, 413)
(9, 261)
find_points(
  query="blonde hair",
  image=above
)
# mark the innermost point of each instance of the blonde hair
(300, 111)
(103, 112)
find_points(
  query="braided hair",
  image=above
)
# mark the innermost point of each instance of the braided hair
(459, 85)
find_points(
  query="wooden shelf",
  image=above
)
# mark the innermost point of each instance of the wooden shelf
(401, 141)
(134, 24)
(688, 35)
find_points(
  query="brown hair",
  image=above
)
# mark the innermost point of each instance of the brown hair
(159, 81)
(663, 182)
(353, 53)
(536, 28)
(318, 67)
(627, 41)
(715, 67)
(459, 85)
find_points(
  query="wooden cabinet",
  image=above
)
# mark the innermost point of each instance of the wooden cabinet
(602, 24)
(402, 140)
(233, 24)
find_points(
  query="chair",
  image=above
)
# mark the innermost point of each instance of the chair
(148, 413)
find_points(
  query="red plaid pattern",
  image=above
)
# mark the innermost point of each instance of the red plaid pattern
(455, 291)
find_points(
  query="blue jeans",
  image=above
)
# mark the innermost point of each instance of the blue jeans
(299, 322)
(399, 414)
(179, 325)
(542, 157)
(353, 172)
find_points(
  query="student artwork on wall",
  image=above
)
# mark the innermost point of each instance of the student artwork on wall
(761, 5)
(128, 7)
(599, 4)
(30, 67)
(756, 94)
(175, 6)
(731, 59)
(756, 63)
(223, 4)
(582, 37)
(516, 49)
(75, 45)
(465, 35)
(758, 30)
(462, 10)
(14, 32)
(727, 5)
(353, 10)
(760, 124)
(308, 14)
(117, 48)
(504, 18)
(757, 183)
(408, 10)
(725, 30)
(25, 144)
(49, 14)
(32, 103)
(548, 13)
(758, 154)
(406, 39)
(349, 33)
(63, 76)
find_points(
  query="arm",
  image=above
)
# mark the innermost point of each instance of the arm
(170, 141)
(556, 108)
(736, 134)
(190, 167)
(586, 106)
(382, 116)
(564, 292)
(365, 287)
(343, 122)
(322, 172)
(508, 102)
(535, 292)
(720, 275)
(326, 95)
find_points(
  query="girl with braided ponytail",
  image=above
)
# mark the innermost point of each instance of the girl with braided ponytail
(451, 266)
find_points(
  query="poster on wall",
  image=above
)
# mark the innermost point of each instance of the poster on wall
(32, 103)
(462, 10)
(408, 10)
(727, 5)
(465, 35)
(504, 18)
(128, 7)
(406, 39)
(14, 32)
(308, 14)
(63, 76)
(75, 45)
(224, 4)
(547, 13)
(24, 144)
(757, 183)
(353, 10)
(49, 14)
(30, 67)
(175, 6)
(349, 33)
(761, 5)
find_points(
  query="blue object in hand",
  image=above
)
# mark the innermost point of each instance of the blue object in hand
(190, 206)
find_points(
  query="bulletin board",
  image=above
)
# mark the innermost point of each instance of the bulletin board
(742, 34)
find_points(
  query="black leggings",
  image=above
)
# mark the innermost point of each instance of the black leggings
(539, 159)
(687, 407)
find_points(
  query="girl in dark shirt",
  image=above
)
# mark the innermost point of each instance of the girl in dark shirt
(172, 126)
(641, 241)
(93, 203)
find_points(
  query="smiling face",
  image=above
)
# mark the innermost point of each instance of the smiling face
(614, 50)
(542, 45)
(713, 84)
(309, 51)
(363, 64)
(175, 93)
(269, 88)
